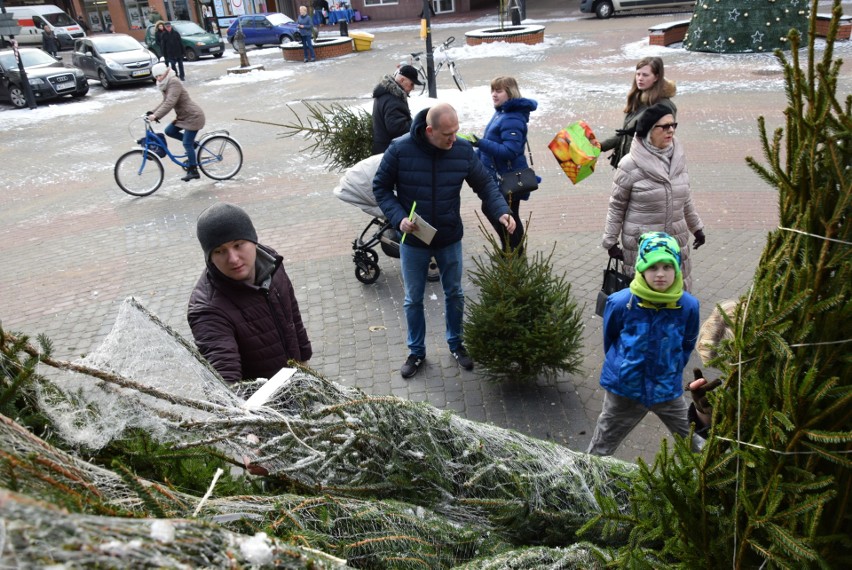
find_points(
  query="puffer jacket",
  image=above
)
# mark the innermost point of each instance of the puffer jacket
(171, 45)
(412, 169)
(503, 144)
(646, 198)
(391, 115)
(647, 348)
(248, 331)
(188, 115)
(620, 144)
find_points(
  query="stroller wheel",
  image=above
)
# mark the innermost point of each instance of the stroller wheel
(367, 271)
(371, 253)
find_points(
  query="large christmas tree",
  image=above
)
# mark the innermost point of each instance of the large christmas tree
(740, 26)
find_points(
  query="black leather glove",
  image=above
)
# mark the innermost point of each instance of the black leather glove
(474, 140)
(149, 113)
(616, 253)
(699, 239)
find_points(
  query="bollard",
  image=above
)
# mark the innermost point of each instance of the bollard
(344, 28)
(516, 16)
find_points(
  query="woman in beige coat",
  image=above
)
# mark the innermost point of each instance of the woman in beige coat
(189, 118)
(651, 192)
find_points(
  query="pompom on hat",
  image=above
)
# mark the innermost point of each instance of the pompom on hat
(657, 247)
(650, 116)
(223, 222)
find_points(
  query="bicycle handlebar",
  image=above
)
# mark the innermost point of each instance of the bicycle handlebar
(444, 45)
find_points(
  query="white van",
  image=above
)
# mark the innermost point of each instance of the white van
(605, 8)
(33, 19)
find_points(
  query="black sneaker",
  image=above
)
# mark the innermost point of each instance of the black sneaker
(465, 361)
(411, 366)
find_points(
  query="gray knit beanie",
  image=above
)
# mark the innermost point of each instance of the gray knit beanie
(221, 223)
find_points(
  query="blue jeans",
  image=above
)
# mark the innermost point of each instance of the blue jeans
(308, 47)
(188, 139)
(415, 267)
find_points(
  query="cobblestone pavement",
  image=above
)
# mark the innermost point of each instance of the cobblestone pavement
(74, 246)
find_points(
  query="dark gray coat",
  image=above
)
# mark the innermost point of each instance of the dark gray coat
(391, 115)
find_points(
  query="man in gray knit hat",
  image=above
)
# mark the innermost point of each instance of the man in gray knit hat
(243, 311)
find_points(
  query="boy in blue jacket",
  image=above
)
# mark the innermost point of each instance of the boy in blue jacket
(650, 329)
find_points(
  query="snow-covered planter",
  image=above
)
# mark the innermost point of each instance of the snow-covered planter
(533, 34)
(324, 48)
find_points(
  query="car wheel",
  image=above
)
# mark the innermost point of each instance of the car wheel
(191, 55)
(284, 39)
(18, 97)
(102, 77)
(218, 55)
(603, 9)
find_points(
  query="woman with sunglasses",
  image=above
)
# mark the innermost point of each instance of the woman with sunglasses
(651, 192)
(650, 87)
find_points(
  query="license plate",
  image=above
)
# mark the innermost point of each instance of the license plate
(66, 85)
(141, 73)
(217, 48)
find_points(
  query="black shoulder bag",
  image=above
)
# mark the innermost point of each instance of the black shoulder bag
(613, 281)
(519, 181)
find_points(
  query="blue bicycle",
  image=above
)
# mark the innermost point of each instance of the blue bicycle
(140, 172)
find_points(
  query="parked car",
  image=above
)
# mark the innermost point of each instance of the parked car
(271, 28)
(605, 8)
(113, 59)
(196, 41)
(47, 76)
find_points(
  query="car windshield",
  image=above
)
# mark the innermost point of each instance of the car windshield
(30, 57)
(188, 28)
(278, 19)
(114, 44)
(60, 19)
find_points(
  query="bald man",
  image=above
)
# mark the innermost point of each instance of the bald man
(428, 166)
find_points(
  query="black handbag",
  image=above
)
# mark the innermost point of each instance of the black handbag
(519, 181)
(613, 281)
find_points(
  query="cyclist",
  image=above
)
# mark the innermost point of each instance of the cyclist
(189, 118)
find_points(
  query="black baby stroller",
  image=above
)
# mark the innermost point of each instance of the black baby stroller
(356, 187)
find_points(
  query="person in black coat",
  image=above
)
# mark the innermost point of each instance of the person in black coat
(172, 48)
(49, 43)
(391, 115)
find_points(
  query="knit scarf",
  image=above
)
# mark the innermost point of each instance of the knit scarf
(664, 154)
(165, 81)
(663, 299)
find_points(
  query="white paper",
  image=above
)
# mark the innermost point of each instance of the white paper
(425, 231)
(259, 398)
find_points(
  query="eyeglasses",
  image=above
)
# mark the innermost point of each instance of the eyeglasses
(667, 126)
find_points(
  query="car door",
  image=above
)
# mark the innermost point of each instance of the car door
(4, 83)
(84, 58)
(266, 30)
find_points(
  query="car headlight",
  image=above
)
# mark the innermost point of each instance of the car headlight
(112, 64)
(36, 81)
(200, 44)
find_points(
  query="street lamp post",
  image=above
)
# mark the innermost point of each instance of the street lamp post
(430, 58)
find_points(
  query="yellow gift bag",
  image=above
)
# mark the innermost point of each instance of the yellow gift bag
(577, 150)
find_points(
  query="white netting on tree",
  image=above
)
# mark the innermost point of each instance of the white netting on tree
(474, 480)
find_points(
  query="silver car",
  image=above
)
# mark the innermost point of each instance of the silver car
(113, 59)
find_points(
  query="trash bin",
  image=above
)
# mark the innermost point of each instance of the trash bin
(344, 28)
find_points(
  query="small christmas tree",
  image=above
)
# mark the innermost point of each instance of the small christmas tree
(740, 26)
(525, 323)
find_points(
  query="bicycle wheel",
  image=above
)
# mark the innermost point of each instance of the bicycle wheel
(219, 157)
(139, 172)
(457, 77)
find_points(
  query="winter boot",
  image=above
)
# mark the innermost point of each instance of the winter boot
(191, 174)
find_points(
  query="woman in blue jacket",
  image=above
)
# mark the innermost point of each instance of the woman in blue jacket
(650, 329)
(306, 30)
(502, 147)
